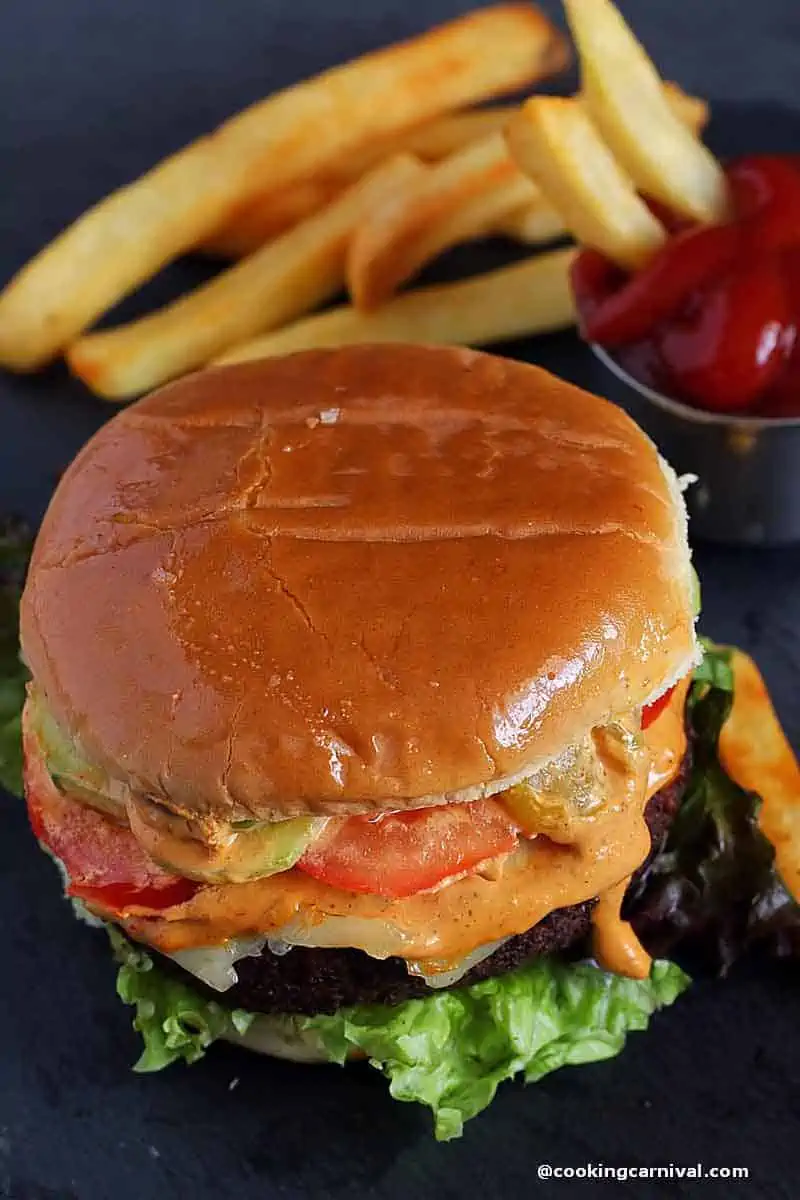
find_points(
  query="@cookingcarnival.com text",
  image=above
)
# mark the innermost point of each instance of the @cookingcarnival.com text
(622, 1173)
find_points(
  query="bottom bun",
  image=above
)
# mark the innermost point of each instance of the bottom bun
(279, 1037)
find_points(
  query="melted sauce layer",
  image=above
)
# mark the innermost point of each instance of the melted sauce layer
(447, 924)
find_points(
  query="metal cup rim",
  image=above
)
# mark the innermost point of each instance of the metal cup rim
(677, 408)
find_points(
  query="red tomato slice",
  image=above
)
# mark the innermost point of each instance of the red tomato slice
(687, 261)
(766, 193)
(730, 345)
(103, 860)
(398, 854)
(651, 712)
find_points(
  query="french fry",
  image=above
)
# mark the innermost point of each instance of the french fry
(554, 141)
(445, 135)
(625, 98)
(269, 216)
(412, 226)
(272, 212)
(281, 281)
(539, 223)
(435, 139)
(530, 297)
(464, 196)
(294, 134)
(533, 225)
(754, 751)
(478, 217)
(691, 111)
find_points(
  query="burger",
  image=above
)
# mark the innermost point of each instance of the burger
(356, 704)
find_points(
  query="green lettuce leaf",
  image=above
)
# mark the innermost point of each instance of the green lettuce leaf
(175, 1021)
(452, 1049)
(711, 892)
(449, 1050)
(15, 546)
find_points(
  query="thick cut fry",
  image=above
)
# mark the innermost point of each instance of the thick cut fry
(464, 196)
(292, 135)
(691, 111)
(533, 225)
(284, 279)
(554, 141)
(408, 229)
(434, 140)
(530, 297)
(754, 751)
(445, 135)
(272, 212)
(625, 98)
(478, 217)
(271, 215)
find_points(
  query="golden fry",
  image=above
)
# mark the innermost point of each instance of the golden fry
(534, 225)
(272, 212)
(480, 216)
(530, 297)
(437, 139)
(554, 141)
(625, 98)
(692, 111)
(469, 193)
(414, 225)
(269, 216)
(281, 281)
(297, 133)
(755, 752)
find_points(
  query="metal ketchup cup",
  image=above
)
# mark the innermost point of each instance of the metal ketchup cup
(748, 468)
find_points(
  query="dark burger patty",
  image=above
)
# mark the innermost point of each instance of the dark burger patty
(322, 981)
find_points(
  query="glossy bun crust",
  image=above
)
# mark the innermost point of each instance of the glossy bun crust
(355, 579)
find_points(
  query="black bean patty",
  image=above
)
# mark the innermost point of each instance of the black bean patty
(322, 981)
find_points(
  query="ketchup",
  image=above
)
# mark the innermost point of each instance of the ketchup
(714, 317)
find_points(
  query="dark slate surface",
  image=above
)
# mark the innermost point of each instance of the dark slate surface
(91, 93)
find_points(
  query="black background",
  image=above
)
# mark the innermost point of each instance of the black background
(91, 93)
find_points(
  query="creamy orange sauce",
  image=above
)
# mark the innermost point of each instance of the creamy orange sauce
(615, 945)
(446, 924)
(217, 853)
(232, 857)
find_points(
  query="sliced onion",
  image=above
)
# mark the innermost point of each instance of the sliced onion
(214, 964)
(377, 938)
(444, 979)
(278, 946)
(335, 932)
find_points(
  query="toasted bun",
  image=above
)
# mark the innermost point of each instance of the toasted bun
(279, 1037)
(375, 577)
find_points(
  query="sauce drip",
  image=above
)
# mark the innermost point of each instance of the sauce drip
(615, 945)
